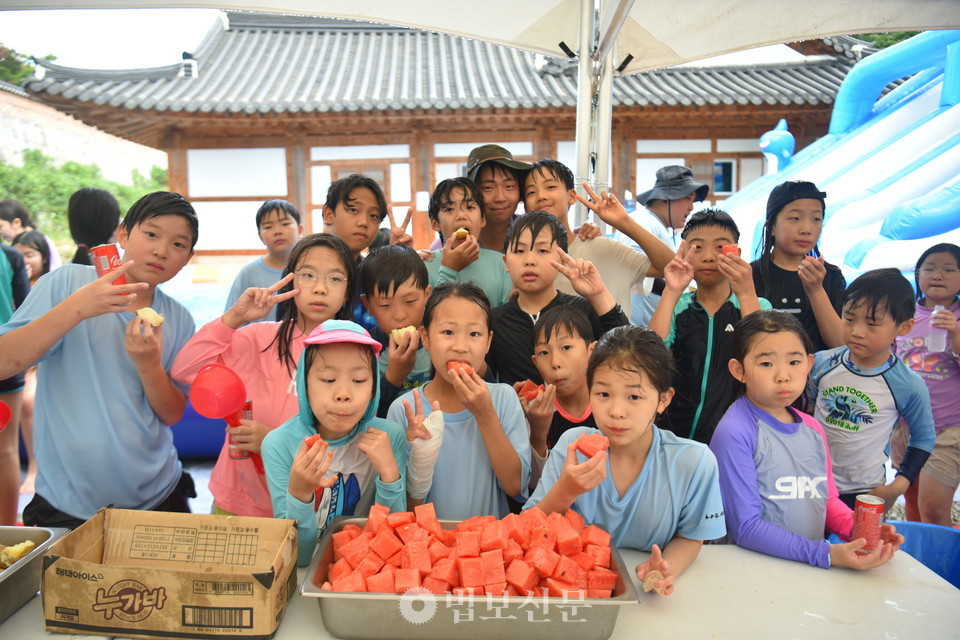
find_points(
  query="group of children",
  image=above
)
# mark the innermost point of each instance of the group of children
(428, 392)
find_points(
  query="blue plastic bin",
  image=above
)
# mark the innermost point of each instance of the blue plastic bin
(198, 437)
(936, 546)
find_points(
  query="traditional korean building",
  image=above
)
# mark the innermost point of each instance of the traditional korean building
(276, 106)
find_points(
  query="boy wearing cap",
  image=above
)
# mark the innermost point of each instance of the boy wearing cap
(791, 273)
(500, 179)
(667, 206)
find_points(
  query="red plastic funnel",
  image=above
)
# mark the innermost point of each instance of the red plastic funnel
(218, 392)
(5, 414)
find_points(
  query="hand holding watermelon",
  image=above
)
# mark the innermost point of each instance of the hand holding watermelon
(472, 391)
(309, 467)
(575, 479)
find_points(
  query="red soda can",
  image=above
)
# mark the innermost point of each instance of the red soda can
(106, 258)
(867, 518)
(245, 414)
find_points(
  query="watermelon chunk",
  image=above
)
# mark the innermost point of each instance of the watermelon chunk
(433, 585)
(522, 576)
(568, 542)
(356, 550)
(471, 572)
(542, 559)
(385, 544)
(513, 552)
(730, 250)
(407, 531)
(377, 518)
(577, 523)
(447, 571)
(590, 444)
(406, 579)
(494, 536)
(438, 550)
(398, 518)
(493, 570)
(601, 579)
(600, 554)
(370, 565)
(543, 537)
(353, 582)
(584, 560)
(382, 582)
(339, 569)
(566, 570)
(595, 535)
(416, 555)
(468, 544)
(529, 390)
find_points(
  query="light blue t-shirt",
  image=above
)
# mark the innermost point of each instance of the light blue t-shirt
(96, 438)
(464, 483)
(677, 492)
(488, 271)
(254, 274)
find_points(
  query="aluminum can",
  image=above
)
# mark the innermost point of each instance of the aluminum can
(245, 414)
(106, 258)
(867, 518)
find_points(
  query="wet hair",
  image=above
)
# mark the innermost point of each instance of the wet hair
(637, 350)
(441, 196)
(386, 268)
(11, 210)
(943, 247)
(535, 221)
(93, 216)
(35, 240)
(287, 312)
(710, 218)
(282, 207)
(467, 290)
(767, 245)
(560, 317)
(339, 192)
(549, 168)
(163, 203)
(766, 321)
(882, 290)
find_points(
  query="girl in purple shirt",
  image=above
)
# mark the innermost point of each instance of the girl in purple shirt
(937, 274)
(775, 470)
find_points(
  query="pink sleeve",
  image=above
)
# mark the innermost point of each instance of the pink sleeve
(839, 516)
(217, 343)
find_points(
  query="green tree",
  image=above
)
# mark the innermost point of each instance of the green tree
(15, 66)
(888, 39)
(44, 189)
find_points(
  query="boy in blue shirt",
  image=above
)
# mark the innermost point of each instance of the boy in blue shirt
(102, 432)
(698, 326)
(456, 212)
(279, 228)
(862, 390)
(394, 290)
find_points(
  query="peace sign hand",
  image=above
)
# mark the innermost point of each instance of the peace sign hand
(255, 303)
(398, 234)
(583, 275)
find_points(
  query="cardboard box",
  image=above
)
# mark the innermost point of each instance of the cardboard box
(148, 574)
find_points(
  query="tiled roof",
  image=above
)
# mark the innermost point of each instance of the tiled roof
(266, 63)
(12, 88)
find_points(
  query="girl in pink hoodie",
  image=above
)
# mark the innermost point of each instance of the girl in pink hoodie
(318, 285)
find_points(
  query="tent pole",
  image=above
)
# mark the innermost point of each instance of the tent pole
(586, 91)
(604, 129)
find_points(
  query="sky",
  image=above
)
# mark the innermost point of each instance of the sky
(107, 39)
(143, 38)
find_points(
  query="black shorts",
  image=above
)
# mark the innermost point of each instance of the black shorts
(40, 513)
(11, 384)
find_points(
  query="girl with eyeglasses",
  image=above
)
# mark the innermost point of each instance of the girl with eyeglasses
(318, 284)
(791, 273)
(937, 276)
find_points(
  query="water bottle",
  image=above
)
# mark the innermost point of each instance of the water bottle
(937, 337)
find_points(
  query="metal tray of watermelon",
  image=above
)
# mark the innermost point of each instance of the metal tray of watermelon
(422, 616)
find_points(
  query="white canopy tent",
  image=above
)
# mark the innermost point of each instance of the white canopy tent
(607, 36)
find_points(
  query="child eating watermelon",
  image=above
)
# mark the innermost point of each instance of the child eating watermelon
(652, 490)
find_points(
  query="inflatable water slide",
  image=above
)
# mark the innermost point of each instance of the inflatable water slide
(890, 165)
